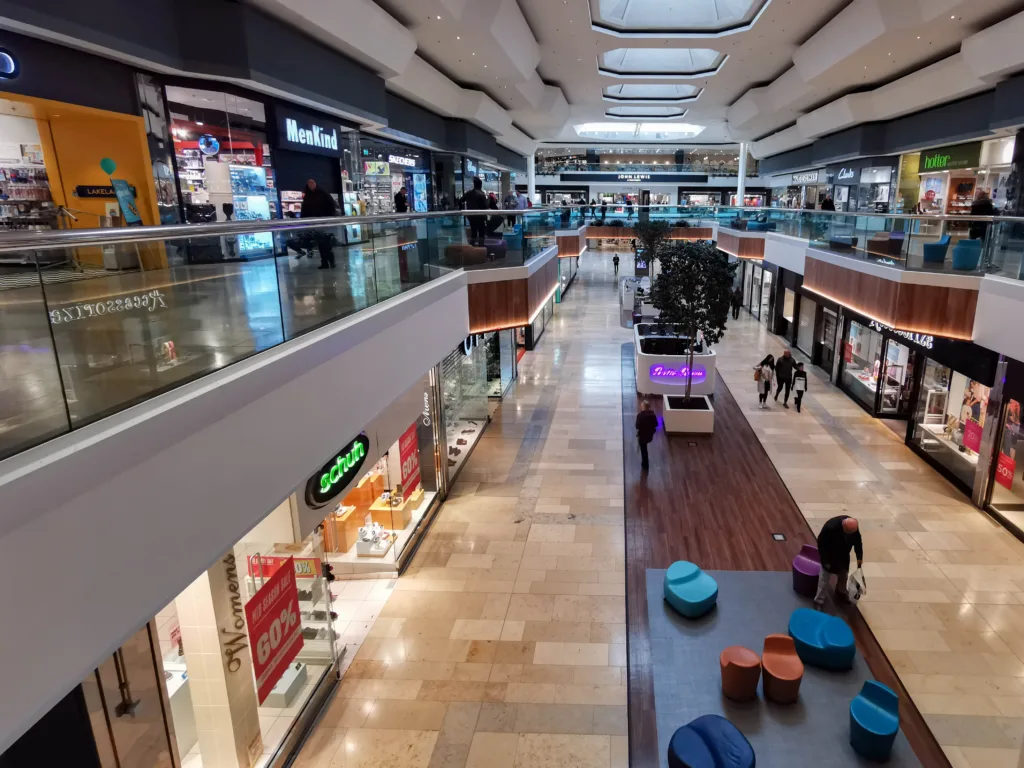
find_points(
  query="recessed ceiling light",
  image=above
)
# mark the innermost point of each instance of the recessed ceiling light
(457, 37)
(438, 18)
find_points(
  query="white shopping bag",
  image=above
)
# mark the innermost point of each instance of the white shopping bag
(856, 585)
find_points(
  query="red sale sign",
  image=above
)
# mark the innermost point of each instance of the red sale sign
(972, 435)
(1005, 467)
(409, 451)
(265, 566)
(275, 633)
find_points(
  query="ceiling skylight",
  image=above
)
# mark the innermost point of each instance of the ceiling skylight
(625, 16)
(666, 92)
(638, 131)
(663, 62)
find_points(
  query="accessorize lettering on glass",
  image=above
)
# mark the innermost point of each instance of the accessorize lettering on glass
(150, 301)
(678, 375)
(334, 476)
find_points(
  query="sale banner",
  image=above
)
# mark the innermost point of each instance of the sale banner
(972, 435)
(1005, 467)
(409, 452)
(275, 633)
(265, 566)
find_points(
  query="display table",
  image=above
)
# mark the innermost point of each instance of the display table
(396, 517)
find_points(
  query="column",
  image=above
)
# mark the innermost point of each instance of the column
(531, 177)
(741, 184)
(212, 617)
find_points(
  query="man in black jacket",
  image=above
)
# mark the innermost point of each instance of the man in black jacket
(784, 376)
(835, 540)
(476, 200)
(646, 426)
(316, 204)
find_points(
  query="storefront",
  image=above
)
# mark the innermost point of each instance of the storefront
(799, 190)
(699, 197)
(388, 167)
(501, 361)
(753, 197)
(464, 389)
(758, 279)
(865, 185)
(1005, 497)
(567, 270)
(818, 328)
(785, 306)
(941, 386)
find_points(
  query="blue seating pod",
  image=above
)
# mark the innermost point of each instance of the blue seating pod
(689, 590)
(710, 741)
(874, 721)
(935, 253)
(967, 255)
(821, 640)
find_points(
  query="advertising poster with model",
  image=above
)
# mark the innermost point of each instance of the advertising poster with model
(275, 633)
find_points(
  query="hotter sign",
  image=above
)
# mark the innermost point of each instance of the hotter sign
(274, 630)
(678, 375)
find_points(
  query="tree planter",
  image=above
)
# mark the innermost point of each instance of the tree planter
(695, 416)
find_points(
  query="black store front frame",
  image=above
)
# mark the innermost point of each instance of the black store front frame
(1003, 496)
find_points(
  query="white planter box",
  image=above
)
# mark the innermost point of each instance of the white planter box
(687, 421)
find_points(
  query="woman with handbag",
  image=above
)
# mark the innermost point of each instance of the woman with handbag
(764, 376)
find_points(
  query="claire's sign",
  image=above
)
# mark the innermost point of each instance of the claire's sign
(336, 474)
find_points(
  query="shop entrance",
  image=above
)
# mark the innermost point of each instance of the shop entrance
(827, 341)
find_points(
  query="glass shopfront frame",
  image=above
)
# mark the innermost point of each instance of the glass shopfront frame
(387, 167)
(879, 369)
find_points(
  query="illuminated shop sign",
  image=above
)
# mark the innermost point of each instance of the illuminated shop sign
(807, 177)
(950, 158)
(845, 174)
(303, 132)
(408, 162)
(928, 342)
(670, 375)
(336, 474)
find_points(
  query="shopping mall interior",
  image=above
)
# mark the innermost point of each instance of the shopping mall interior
(511, 384)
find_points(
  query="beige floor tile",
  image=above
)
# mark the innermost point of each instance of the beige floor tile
(384, 749)
(493, 750)
(406, 715)
(539, 750)
(419, 670)
(476, 629)
(379, 689)
(984, 757)
(575, 654)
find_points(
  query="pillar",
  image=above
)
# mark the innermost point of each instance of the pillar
(211, 612)
(531, 177)
(741, 183)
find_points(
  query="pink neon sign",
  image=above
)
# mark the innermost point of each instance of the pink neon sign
(678, 375)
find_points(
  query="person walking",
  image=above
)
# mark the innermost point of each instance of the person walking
(736, 301)
(764, 372)
(401, 201)
(982, 206)
(784, 368)
(523, 201)
(318, 204)
(510, 203)
(615, 263)
(476, 200)
(646, 426)
(604, 210)
(799, 385)
(828, 204)
(837, 537)
(593, 207)
(629, 208)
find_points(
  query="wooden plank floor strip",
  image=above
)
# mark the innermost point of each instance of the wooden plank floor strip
(715, 501)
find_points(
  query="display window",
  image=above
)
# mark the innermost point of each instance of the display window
(256, 636)
(224, 164)
(1008, 487)
(388, 169)
(805, 327)
(766, 297)
(788, 305)
(949, 420)
(501, 362)
(567, 269)
(464, 394)
(748, 282)
(862, 360)
(874, 194)
(897, 379)
(755, 291)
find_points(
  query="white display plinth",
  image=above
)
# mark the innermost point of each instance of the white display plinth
(666, 374)
(284, 691)
(686, 421)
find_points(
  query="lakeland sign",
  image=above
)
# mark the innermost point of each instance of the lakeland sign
(336, 474)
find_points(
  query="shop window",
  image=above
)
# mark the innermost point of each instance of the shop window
(949, 420)
(464, 392)
(862, 354)
(500, 362)
(897, 379)
(805, 330)
(216, 646)
(788, 305)
(224, 162)
(1008, 488)
(766, 297)
(389, 168)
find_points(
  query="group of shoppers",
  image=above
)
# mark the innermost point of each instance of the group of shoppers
(786, 374)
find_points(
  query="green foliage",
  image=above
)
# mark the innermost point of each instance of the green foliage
(615, 223)
(693, 290)
(651, 236)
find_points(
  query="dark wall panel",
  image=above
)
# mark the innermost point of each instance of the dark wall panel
(946, 124)
(54, 72)
(413, 120)
(801, 157)
(860, 141)
(510, 159)
(292, 169)
(1008, 103)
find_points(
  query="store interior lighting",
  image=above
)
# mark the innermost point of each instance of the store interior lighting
(643, 131)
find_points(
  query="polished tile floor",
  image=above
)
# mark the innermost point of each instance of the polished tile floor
(945, 582)
(503, 646)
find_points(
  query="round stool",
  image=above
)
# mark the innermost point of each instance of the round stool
(741, 671)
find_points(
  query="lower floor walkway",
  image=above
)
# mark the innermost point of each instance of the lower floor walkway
(505, 644)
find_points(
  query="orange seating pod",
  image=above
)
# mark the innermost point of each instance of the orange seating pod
(783, 669)
(741, 670)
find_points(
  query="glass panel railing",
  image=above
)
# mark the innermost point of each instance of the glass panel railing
(94, 321)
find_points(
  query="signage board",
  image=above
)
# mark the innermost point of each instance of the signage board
(1005, 467)
(304, 132)
(275, 633)
(408, 162)
(100, 191)
(950, 158)
(9, 66)
(409, 454)
(845, 174)
(670, 375)
(972, 435)
(335, 475)
(265, 566)
(628, 178)
(806, 177)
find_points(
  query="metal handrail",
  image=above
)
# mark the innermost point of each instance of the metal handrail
(42, 240)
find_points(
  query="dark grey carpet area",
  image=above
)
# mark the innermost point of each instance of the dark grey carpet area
(687, 682)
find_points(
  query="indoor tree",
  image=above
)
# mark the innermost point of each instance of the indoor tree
(693, 292)
(652, 235)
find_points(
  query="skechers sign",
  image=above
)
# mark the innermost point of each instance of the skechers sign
(305, 133)
(336, 474)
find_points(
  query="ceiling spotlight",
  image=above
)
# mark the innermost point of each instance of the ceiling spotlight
(457, 37)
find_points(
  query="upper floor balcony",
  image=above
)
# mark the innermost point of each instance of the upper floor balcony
(95, 321)
(549, 168)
